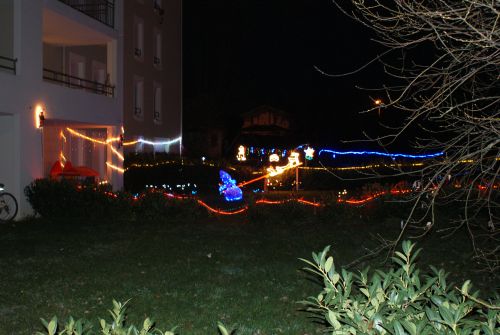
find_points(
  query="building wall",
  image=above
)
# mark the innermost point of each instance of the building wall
(6, 28)
(168, 75)
(22, 92)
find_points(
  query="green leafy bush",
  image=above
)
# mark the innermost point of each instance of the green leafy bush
(400, 301)
(117, 326)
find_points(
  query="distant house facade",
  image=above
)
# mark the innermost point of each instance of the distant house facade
(266, 121)
(61, 85)
(265, 130)
(153, 75)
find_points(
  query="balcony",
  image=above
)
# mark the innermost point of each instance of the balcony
(8, 64)
(101, 10)
(78, 83)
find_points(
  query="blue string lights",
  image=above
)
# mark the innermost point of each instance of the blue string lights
(378, 153)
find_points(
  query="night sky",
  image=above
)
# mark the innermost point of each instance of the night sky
(245, 53)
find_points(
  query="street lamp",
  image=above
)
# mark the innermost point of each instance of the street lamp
(378, 103)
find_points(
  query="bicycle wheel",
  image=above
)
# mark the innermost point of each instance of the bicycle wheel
(8, 207)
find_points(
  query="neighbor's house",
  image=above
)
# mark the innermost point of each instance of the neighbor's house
(153, 75)
(265, 130)
(61, 89)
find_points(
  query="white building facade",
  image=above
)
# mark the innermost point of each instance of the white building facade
(61, 90)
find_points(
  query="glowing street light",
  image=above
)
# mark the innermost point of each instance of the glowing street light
(378, 103)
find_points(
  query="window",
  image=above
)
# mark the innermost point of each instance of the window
(139, 38)
(7, 61)
(76, 69)
(157, 114)
(157, 6)
(99, 76)
(138, 98)
(157, 44)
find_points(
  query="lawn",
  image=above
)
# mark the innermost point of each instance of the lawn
(189, 272)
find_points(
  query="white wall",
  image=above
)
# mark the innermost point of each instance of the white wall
(22, 92)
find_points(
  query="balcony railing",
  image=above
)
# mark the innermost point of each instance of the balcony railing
(8, 64)
(101, 10)
(79, 83)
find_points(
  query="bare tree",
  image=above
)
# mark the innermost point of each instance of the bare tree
(452, 97)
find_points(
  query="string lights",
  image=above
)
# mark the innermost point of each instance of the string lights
(119, 139)
(378, 153)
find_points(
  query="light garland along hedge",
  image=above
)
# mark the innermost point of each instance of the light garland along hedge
(399, 301)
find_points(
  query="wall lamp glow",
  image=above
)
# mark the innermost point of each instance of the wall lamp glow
(39, 116)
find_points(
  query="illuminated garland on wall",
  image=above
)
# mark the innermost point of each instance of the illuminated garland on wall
(119, 139)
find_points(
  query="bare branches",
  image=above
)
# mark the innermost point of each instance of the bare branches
(450, 92)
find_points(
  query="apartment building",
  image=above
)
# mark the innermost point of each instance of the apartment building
(153, 75)
(61, 90)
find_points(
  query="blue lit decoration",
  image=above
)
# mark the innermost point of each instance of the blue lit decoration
(377, 153)
(228, 187)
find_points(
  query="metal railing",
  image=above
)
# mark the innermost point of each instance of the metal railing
(79, 83)
(8, 63)
(101, 10)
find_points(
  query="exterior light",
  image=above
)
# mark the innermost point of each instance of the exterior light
(39, 116)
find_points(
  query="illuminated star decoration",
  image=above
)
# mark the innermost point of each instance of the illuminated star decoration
(309, 153)
(228, 187)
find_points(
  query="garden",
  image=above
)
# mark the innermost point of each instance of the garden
(188, 267)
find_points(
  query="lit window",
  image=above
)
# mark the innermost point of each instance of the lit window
(138, 98)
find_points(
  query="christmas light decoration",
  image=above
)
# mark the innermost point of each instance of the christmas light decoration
(309, 153)
(228, 187)
(117, 153)
(280, 202)
(114, 167)
(218, 211)
(274, 158)
(293, 161)
(377, 153)
(141, 140)
(241, 154)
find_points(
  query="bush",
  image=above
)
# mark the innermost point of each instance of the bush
(66, 198)
(155, 205)
(399, 301)
(117, 326)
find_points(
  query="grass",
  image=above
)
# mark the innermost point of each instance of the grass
(191, 272)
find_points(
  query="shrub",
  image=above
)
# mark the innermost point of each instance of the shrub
(155, 205)
(66, 198)
(117, 326)
(399, 302)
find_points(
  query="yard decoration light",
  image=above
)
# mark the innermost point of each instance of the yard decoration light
(378, 153)
(228, 187)
(218, 211)
(274, 158)
(241, 154)
(309, 153)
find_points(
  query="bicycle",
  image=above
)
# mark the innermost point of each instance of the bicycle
(8, 206)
